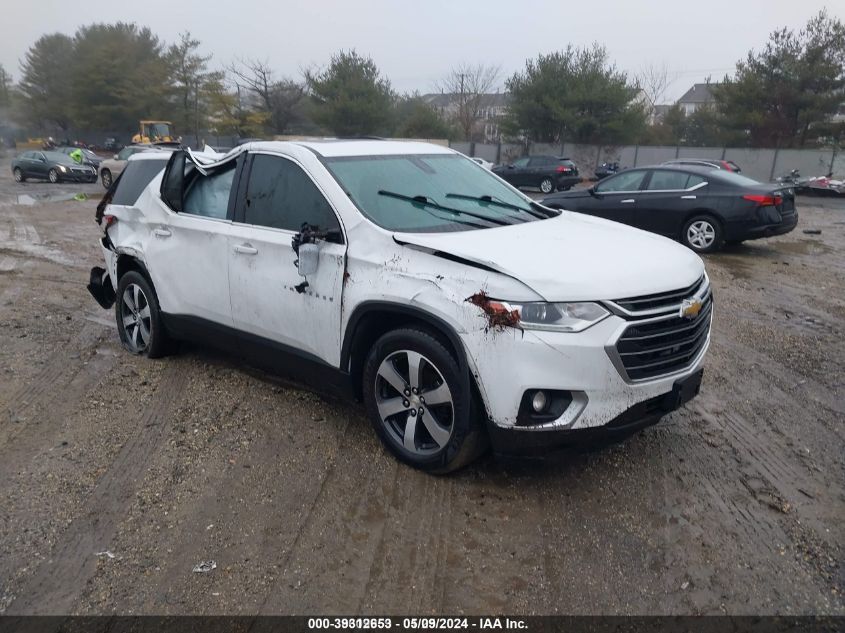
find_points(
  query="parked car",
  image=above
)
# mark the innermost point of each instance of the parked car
(606, 169)
(484, 163)
(401, 274)
(548, 173)
(701, 207)
(727, 165)
(52, 166)
(89, 158)
(111, 168)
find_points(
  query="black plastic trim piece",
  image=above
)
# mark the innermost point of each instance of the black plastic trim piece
(264, 353)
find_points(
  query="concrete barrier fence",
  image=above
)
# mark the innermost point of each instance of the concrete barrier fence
(762, 164)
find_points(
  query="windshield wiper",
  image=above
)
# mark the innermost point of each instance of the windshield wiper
(499, 203)
(430, 203)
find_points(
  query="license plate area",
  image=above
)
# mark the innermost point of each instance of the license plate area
(683, 391)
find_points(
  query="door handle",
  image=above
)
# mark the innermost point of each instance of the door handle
(246, 249)
(628, 201)
(687, 197)
(162, 232)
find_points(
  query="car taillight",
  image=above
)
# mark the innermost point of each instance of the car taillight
(764, 201)
(109, 220)
(561, 169)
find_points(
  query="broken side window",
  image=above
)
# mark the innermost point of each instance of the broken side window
(135, 178)
(208, 196)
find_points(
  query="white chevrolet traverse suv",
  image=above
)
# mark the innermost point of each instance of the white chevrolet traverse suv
(460, 311)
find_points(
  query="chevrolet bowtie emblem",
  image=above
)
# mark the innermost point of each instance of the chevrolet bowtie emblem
(690, 308)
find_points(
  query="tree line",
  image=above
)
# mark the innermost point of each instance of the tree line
(109, 76)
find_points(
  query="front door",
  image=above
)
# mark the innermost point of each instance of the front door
(615, 198)
(269, 298)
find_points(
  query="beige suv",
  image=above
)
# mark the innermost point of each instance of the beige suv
(111, 168)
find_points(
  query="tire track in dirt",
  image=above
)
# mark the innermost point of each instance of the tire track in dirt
(60, 579)
(333, 547)
(32, 410)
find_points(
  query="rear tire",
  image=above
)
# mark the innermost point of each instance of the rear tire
(138, 317)
(438, 436)
(703, 234)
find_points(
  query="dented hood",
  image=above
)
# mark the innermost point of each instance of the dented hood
(572, 257)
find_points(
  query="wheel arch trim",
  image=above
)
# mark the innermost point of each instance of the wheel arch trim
(368, 308)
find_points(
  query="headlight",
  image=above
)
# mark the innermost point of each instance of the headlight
(62, 168)
(558, 317)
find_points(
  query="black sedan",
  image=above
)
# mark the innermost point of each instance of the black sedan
(88, 157)
(703, 208)
(52, 166)
(548, 173)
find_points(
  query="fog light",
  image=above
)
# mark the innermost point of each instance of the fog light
(539, 401)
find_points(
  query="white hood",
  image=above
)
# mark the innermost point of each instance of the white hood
(573, 257)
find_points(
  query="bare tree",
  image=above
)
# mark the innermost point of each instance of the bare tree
(468, 84)
(279, 98)
(654, 80)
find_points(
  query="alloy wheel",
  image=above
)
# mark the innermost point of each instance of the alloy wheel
(53, 176)
(414, 402)
(18, 175)
(135, 318)
(546, 186)
(701, 234)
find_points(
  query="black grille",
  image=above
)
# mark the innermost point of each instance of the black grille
(663, 347)
(659, 300)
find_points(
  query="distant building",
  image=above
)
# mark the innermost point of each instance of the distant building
(659, 113)
(493, 107)
(698, 96)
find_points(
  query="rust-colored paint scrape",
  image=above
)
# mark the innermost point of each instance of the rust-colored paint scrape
(498, 317)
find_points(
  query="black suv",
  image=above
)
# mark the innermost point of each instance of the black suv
(549, 173)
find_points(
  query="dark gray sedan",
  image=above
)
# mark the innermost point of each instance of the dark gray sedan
(52, 166)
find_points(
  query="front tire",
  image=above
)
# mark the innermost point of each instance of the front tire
(546, 185)
(419, 405)
(703, 234)
(18, 174)
(53, 176)
(105, 178)
(138, 316)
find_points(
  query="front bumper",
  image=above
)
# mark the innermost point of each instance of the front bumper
(78, 177)
(530, 442)
(605, 400)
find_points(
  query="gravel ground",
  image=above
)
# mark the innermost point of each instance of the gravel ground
(118, 474)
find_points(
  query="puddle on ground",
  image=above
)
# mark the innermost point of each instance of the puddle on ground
(30, 199)
(741, 260)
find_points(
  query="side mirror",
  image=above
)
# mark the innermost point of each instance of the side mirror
(309, 259)
(173, 182)
(115, 157)
(593, 191)
(510, 165)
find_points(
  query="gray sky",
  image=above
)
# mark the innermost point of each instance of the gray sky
(415, 43)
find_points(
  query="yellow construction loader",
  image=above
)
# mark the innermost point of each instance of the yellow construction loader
(155, 132)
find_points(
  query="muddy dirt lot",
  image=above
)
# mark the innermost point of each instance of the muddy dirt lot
(118, 474)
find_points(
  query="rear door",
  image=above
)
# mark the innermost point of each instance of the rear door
(615, 198)
(269, 298)
(539, 167)
(187, 253)
(667, 200)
